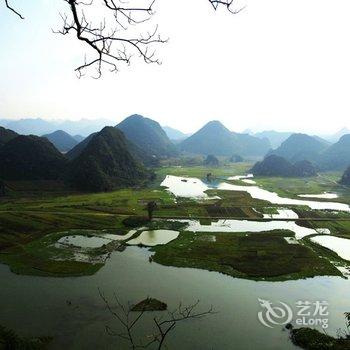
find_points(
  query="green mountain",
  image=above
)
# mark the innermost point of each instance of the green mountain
(29, 126)
(148, 135)
(61, 140)
(137, 153)
(337, 156)
(76, 151)
(275, 137)
(211, 160)
(6, 135)
(274, 165)
(30, 158)
(304, 168)
(215, 138)
(345, 180)
(300, 147)
(106, 163)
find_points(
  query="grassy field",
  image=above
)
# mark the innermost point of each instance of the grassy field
(202, 171)
(292, 187)
(32, 219)
(265, 255)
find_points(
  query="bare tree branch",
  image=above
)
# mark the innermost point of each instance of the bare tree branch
(13, 10)
(110, 41)
(162, 325)
(111, 48)
(226, 3)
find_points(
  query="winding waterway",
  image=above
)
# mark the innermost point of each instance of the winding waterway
(72, 311)
(195, 188)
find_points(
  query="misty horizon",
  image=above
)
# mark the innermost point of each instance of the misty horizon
(109, 122)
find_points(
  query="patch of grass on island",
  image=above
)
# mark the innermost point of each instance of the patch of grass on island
(259, 256)
(43, 257)
(336, 227)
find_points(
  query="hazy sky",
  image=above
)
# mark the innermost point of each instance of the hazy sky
(282, 64)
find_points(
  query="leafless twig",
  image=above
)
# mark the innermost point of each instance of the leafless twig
(13, 10)
(226, 3)
(109, 40)
(162, 325)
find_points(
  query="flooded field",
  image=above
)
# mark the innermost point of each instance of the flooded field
(71, 309)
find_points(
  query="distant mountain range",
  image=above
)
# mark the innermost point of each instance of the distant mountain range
(174, 134)
(39, 127)
(275, 137)
(214, 138)
(62, 140)
(123, 155)
(316, 150)
(335, 137)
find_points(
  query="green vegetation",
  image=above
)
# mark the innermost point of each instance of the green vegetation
(265, 255)
(337, 156)
(46, 257)
(337, 227)
(9, 340)
(27, 218)
(106, 164)
(345, 180)
(31, 223)
(201, 171)
(236, 158)
(301, 147)
(312, 339)
(292, 187)
(211, 160)
(274, 165)
(148, 135)
(61, 140)
(30, 158)
(6, 135)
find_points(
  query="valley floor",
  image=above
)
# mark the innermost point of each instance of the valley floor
(222, 229)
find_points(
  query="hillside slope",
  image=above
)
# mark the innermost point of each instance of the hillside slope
(31, 158)
(106, 163)
(300, 147)
(148, 135)
(214, 138)
(6, 135)
(61, 140)
(337, 156)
